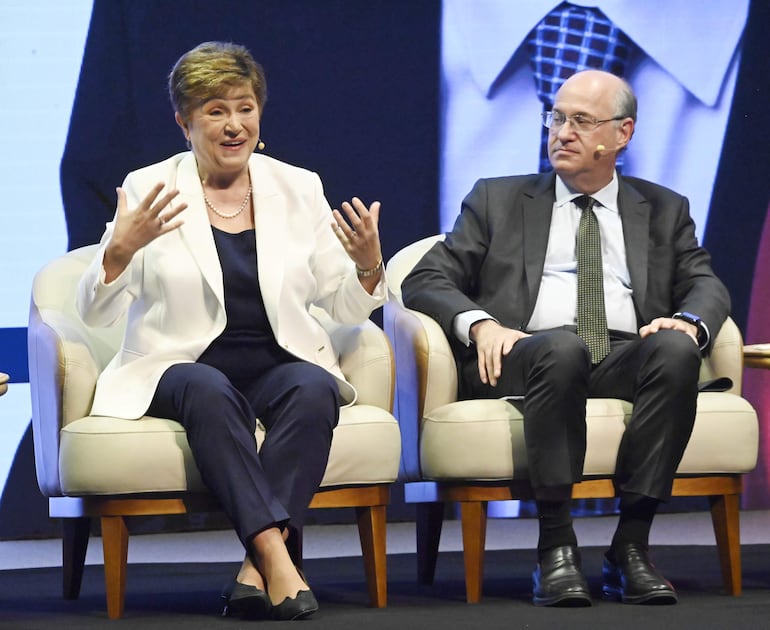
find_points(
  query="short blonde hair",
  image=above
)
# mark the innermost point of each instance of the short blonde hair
(209, 70)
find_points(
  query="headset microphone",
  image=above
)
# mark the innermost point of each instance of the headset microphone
(601, 149)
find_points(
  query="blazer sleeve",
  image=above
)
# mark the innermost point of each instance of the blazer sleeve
(696, 288)
(680, 276)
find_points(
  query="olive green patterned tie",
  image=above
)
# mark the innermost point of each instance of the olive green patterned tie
(591, 316)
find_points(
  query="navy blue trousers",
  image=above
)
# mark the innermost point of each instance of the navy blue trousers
(298, 404)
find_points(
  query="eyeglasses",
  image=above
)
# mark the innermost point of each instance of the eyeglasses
(580, 123)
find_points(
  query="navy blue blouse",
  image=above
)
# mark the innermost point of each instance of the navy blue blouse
(247, 345)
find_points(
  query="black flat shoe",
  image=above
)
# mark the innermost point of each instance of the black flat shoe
(631, 578)
(245, 601)
(299, 607)
(559, 581)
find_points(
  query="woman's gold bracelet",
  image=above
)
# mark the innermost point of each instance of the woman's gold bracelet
(368, 273)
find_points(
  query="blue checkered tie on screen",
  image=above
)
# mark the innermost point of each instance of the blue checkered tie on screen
(567, 40)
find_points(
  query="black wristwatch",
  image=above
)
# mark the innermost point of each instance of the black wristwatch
(689, 318)
(703, 331)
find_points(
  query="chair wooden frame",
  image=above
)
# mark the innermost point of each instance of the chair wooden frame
(723, 493)
(370, 504)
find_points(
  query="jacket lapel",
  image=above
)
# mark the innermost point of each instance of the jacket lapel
(196, 230)
(635, 218)
(270, 213)
(537, 203)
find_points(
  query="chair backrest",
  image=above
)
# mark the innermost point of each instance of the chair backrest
(404, 260)
(64, 355)
(53, 296)
(82, 351)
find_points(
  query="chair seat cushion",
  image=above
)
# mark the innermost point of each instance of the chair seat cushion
(484, 439)
(103, 455)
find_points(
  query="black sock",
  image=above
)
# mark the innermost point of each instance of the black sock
(555, 521)
(636, 514)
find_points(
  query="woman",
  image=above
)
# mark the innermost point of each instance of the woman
(214, 268)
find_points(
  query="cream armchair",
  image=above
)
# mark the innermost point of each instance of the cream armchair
(3, 383)
(472, 451)
(112, 468)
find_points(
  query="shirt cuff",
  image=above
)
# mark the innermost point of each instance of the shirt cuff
(704, 336)
(463, 322)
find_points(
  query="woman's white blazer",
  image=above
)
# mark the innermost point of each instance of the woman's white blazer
(172, 295)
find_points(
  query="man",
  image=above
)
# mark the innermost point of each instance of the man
(504, 286)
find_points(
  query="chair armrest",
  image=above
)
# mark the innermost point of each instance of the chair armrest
(366, 360)
(426, 374)
(60, 359)
(424, 359)
(726, 358)
(4, 378)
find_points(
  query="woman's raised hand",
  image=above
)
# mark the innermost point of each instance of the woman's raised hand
(134, 229)
(359, 235)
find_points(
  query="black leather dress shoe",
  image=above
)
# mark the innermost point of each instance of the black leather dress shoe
(245, 601)
(558, 580)
(633, 579)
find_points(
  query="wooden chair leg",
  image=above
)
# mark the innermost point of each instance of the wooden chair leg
(429, 521)
(115, 546)
(371, 531)
(473, 515)
(725, 515)
(75, 532)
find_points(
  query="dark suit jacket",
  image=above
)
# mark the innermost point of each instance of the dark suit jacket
(493, 258)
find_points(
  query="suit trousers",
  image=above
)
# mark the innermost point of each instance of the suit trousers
(297, 403)
(553, 371)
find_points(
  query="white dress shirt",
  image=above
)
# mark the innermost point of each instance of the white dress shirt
(683, 73)
(557, 299)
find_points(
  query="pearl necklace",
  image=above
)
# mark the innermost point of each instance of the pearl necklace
(223, 214)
